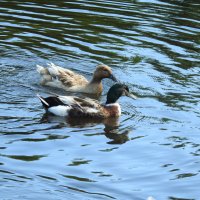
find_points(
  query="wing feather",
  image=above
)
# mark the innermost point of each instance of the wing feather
(66, 76)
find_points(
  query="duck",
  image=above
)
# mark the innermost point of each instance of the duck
(87, 108)
(56, 76)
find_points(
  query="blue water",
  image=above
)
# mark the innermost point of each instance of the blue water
(153, 149)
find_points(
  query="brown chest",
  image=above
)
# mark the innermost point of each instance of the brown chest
(112, 110)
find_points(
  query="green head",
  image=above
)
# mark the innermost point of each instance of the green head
(118, 90)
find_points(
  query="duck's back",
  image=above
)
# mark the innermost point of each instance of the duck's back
(71, 79)
(59, 77)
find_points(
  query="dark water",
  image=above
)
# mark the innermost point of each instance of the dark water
(154, 147)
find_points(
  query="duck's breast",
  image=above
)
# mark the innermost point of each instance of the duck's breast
(113, 110)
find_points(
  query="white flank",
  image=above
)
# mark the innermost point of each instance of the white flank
(60, 110)
(55, 83)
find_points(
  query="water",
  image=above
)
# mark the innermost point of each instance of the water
(154, 147)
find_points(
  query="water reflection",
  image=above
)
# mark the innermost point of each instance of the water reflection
(24, 157)
(113, 132)
(153, 46)
(112, 128)
(176, 198)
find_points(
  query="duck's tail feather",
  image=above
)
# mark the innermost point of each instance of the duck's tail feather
(44, 103)
(51, 101)
(41, 70)
(55, 106)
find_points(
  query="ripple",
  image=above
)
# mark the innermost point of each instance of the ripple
(25, 158)
(153, 47)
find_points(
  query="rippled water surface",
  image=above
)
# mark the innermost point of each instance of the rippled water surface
(154, 147)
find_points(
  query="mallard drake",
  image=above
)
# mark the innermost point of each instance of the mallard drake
(72, 106)
(68, 80)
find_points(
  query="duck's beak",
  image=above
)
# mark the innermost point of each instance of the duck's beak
(128, 94)
(113, 78)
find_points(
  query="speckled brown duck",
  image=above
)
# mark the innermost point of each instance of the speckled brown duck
(68, 80)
